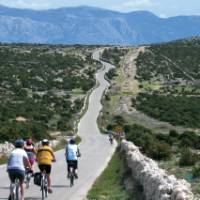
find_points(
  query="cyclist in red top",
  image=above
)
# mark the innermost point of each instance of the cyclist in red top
(31, 152)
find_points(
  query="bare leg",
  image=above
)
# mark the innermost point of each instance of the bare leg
(49, 183)
(49, 180)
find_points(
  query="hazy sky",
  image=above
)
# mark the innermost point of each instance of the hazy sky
(163, 8)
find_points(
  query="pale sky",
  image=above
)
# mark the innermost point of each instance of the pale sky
(162, 8)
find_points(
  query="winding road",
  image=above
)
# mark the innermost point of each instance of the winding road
(95, 149)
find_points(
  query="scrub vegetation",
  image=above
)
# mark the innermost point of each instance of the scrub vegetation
(42, 88)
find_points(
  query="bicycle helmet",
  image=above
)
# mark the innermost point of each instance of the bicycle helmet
(45, 142)
(29, 142)
(72, 141)
(19, 143)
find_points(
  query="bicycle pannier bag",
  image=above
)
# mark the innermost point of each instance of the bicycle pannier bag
(37, 178)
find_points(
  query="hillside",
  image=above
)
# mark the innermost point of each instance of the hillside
(174, 69)
(88, 25)
(42, 88)
(154, 99)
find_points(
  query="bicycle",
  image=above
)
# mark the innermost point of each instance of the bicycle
(44, 185)
(111, 140)
(28, 177)
(71, 175)
(14, 190)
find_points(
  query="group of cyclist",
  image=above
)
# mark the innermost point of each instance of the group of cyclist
(24, 155)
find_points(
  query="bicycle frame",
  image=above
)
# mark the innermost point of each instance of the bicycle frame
(44, 185)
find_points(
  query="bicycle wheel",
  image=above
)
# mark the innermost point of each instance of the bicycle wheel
(12, 197)
(46, 186)
(17, 189)
(42, 187)
(46, 192)
(28, 178)
(71, 179)
(12, 191)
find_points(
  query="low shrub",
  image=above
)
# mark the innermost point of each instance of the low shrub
(173, 133)
(188, 158)
(190, 139)
(148, 142)
(196, 171)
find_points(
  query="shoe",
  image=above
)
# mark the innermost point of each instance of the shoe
(50, 190)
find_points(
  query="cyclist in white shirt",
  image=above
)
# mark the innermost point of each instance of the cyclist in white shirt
(17, 163)
(72, 153)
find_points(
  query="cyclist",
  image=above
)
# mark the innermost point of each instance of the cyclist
(72, 153)
(17, 163)
(44, 157)
(31, 152)
(110, 135)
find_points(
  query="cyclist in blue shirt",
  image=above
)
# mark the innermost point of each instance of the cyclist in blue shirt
(72, 153)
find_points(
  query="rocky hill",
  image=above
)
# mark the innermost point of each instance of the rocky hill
(88, 25)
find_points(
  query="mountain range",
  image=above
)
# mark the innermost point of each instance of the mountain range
(90, 25)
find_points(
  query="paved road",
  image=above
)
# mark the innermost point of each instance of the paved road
(95, 148)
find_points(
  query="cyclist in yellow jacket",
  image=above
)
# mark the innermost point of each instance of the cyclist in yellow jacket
(45, 156)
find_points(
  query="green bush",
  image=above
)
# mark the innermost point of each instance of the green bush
(189, 139)
(147, 141)
(178, 110)
(165, 138)
(111, 74)
(161, 151)
(187, 158)
(173, 133)
(196, 171)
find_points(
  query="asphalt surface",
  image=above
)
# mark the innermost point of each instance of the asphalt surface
(95, 149)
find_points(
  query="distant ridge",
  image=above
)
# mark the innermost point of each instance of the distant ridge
(91, 25)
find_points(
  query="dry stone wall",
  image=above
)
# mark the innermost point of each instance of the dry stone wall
(6, 148)
(157, 185)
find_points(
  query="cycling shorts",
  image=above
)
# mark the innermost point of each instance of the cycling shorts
(47, 168)
(16, 173)
(72, 163)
